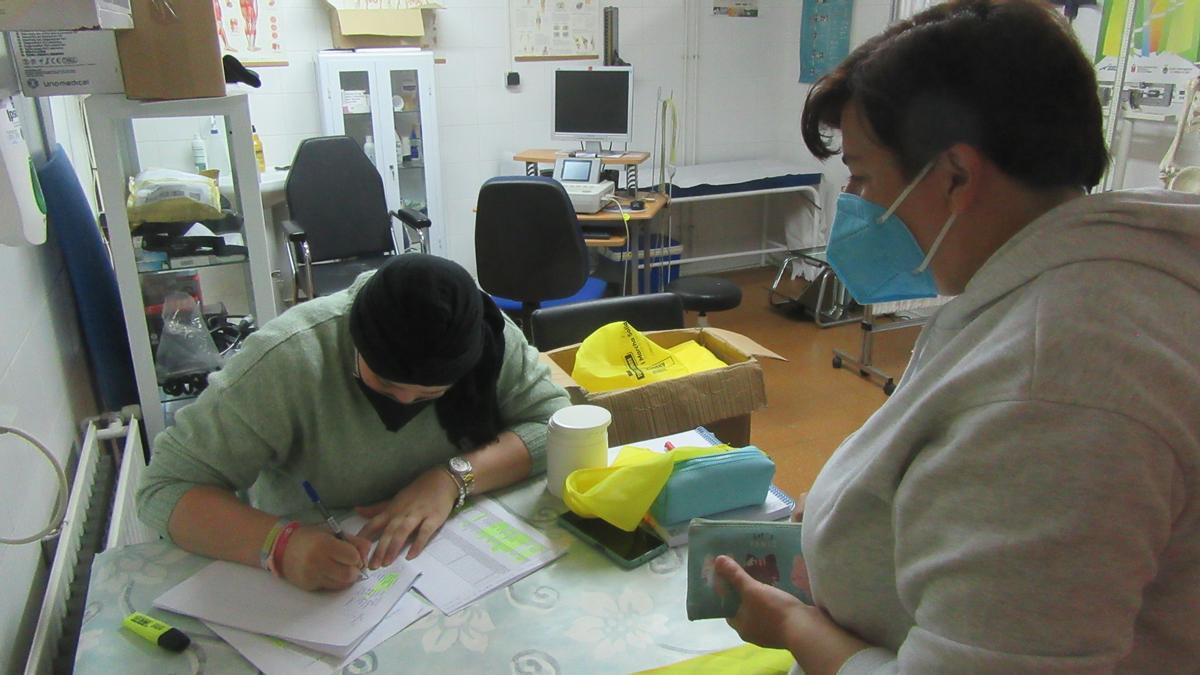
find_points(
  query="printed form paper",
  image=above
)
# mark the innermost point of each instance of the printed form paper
(252, 599)
(278, 657)
(482, 548)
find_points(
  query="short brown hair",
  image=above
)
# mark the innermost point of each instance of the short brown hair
(1005, 76)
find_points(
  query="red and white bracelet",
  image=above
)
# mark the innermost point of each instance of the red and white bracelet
(275, 560)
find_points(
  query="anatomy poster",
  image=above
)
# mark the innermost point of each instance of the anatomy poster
(250, 30)
(554, 29)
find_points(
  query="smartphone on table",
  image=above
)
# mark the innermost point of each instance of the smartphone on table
(627, 549)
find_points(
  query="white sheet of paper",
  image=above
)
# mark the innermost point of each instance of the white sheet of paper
(252, 599)
(480, 549)
(410, 576)
(278, 657)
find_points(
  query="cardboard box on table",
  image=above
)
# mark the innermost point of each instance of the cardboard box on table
(720, 400)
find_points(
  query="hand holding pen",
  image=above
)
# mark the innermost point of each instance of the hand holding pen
(332, 522)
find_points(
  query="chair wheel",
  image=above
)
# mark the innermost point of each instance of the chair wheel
(889, 387)
(837, 362)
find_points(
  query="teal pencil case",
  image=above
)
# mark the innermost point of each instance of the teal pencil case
(714, 483)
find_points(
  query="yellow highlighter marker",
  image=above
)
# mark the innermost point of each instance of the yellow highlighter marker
(157, 632)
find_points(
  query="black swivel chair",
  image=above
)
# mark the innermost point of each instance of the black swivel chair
(529, 250)
(340, 226)
(555, 327)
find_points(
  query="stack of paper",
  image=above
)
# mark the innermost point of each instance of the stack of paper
(481, 549)
(282, 629)
(272, 655)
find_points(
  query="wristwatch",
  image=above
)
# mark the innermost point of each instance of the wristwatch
(464, 477)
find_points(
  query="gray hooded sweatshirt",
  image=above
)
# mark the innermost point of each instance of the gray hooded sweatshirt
(1028, 499)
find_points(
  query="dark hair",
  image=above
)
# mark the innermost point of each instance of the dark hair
(1006, 77)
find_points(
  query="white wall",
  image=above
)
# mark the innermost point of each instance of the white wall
(44, 390)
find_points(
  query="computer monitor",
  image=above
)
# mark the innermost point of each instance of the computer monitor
(593, 105)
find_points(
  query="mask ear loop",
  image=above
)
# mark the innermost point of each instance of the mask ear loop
(911, 186)
(936, 243)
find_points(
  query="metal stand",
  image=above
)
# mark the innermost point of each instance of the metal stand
(825, 299)
(862, 363)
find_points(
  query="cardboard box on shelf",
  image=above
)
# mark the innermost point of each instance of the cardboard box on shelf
(720, 400)
(64, 14)
(64, 62)
(171, 56)
(410, 26)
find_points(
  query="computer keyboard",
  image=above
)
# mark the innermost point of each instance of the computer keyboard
(596, 233)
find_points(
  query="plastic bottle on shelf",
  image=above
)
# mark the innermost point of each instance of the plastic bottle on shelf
(403, 149)
(414, 142)
(215, 148)
(199, 153)
(369, 148)
(258, 150)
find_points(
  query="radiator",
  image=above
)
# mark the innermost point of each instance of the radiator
(93, 497)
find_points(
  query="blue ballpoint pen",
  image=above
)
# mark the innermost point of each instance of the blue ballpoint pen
(333, 523)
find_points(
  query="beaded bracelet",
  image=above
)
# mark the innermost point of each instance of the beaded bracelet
(281, 542)
(268, 545)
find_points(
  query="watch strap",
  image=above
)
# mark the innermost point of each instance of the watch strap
(460, 484)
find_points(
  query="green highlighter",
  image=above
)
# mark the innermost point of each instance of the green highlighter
(157, 632)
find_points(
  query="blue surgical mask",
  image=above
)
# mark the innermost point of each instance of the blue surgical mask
(875, 255)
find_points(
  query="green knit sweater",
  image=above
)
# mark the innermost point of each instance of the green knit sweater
(288, 409)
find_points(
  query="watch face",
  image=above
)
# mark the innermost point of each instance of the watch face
(459, 464)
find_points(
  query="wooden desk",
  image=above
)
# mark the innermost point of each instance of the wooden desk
(629, 160)
(638, 220)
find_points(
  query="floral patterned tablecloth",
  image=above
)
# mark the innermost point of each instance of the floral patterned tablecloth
(581, 614)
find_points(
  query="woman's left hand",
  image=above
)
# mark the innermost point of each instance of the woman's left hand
(766, 614)
(417, 512)
(770, 617)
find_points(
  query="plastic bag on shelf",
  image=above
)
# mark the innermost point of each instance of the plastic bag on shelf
(167, 196)
(186, 346)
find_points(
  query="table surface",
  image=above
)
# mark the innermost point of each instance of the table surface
(548, 155)
(581, 614)
(654, 203)
(271, 185)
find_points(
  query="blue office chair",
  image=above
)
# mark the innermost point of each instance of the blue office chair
(529, 250)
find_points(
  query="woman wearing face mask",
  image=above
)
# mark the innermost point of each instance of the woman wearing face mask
(400, 396)
(1027, 500)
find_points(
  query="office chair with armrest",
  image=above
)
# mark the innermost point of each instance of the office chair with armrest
(340, 226)
(529, 250)
(555, 327)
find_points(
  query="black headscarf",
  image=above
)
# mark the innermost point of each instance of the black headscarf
(421, 319)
